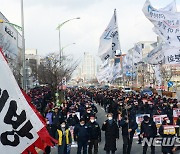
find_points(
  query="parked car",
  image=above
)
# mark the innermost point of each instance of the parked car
(105, 87)
(126, 89)
(92, 87)
(146, 91)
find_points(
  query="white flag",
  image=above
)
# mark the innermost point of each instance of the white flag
(167, 23)
(127, 63)
(100, 78)
(172, 55)
(137, 53)
(110, 72)
(156, 56)
(104, 64)
(117, 72)
(164, 54)
(158, 74)
(104, 74)
(109, 40)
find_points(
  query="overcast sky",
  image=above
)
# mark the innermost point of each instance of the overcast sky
(43, 16)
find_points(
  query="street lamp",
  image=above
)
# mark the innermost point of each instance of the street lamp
(62, 49)
(58, 28)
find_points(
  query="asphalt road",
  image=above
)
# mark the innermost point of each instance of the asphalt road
(136, 148)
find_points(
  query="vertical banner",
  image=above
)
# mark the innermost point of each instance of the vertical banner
(109, 40)
(172, 54)
(117, 71)
(158, 75)
(108, 47)
(156, 56)
(137, 54)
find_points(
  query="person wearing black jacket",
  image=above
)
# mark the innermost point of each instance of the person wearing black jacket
(128, 130)
(57, 119)
(87, 114)
(81, 135)
(94, 135)
(72, 119)
(166, 137)
(148, 130)
(111, 134)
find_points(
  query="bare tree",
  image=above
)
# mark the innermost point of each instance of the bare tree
(51, 71)
(167, 73)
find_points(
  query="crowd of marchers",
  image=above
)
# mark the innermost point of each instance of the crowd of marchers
(75, 120)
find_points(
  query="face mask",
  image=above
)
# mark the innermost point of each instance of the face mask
(47, 122)
(88, 111)
(92, 121)
(82, 124)
(110, 118)
(73, 114)
(168, 121)
(63, 126)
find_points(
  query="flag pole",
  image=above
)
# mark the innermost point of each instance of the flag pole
(175, 4)
(23, 49)
(132, 67)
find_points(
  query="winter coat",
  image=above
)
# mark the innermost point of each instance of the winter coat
(132, 125)
(111, 134)
(60, 136)
(94, 131)
(57, 118)
(148, 129)
(81, 133)
(72, 121)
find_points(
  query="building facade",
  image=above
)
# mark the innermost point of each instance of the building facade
(86, 71)
(11, 46)
(32, 64)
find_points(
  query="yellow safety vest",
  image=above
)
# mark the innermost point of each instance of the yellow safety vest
(61, 135)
